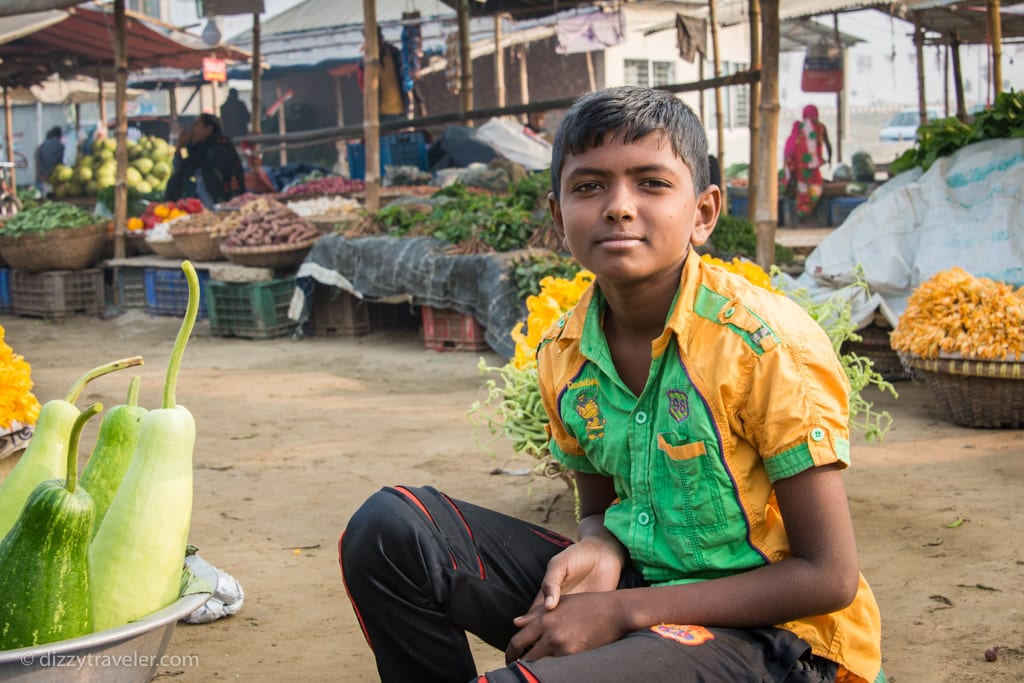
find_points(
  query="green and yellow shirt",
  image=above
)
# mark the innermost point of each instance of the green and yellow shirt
(744, 389)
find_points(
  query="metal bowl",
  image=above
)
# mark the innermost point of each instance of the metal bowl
(124, 654)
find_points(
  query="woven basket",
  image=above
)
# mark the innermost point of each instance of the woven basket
(60, 249)
(277, 256)
(874, 345)
(166, 249)
(975, 393)
(199, 245)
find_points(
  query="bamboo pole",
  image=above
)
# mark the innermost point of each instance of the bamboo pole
(995, 35)
(371, 107)
(766, 216)
(958, 76)
(256, 72)
(499, 62)
(121, 134)
(524, 80)
(282, 121)
(922, 102)
(754, 12)
(465, 58)
(101, 98)
(172, 104)
(719, 119)
(841, 94)
(9, 137)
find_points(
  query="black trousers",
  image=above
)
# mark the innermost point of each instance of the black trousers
(422, 569)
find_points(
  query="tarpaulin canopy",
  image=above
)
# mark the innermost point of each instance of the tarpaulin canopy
(75, 90)
(69, 41)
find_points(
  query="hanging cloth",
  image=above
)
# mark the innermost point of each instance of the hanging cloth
(691, 34)
(588, 32)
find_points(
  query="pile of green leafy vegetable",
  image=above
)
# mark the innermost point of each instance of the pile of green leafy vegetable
(940, 138)
(459, 215)
(48, 216)
(529, 270)
(735, 236)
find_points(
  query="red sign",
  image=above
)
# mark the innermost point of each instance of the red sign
(285, 96)
(214, 69)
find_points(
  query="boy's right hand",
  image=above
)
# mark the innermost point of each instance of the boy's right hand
(592, 565)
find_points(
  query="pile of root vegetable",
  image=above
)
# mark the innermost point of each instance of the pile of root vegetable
(266, 222)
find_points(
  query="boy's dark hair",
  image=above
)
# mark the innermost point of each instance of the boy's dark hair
(631, 113)
(54, 132)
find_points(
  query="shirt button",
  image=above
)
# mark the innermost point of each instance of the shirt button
(817, 434)
(643, 518)
(641, 417)
(729, 312)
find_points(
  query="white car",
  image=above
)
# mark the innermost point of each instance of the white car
(903, 126)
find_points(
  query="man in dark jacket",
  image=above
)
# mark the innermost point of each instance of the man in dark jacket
(234, 115)
(206, 165)
(48, 155)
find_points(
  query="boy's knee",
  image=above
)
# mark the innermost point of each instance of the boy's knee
(382, 530)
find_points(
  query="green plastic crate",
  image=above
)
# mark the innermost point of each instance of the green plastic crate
(256, 310)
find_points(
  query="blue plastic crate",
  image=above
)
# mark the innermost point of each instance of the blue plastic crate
(167, 291)
(5, 290)
(841, 207)
(403, 149)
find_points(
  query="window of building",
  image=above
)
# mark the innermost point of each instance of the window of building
(636, 72)
(664, 73)
(735, 100)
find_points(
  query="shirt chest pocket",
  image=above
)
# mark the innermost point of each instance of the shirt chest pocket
(698, 484)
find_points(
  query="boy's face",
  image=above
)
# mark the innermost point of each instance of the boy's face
(627, 212)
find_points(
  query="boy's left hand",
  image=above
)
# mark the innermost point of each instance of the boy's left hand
(581, 622)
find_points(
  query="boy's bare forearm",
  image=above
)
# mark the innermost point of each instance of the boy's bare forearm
(769, 595)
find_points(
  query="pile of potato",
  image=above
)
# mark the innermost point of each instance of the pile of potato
(264, 223)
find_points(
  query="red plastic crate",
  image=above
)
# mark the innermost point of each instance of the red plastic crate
(445, 329)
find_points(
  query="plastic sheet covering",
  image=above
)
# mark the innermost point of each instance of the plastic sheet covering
(416, 269)
(966, 210)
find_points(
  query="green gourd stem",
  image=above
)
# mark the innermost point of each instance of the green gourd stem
(133, 392)
(76, 432)
(191, 311)
(76, 389)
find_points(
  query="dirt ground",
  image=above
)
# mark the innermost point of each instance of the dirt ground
(294, 434)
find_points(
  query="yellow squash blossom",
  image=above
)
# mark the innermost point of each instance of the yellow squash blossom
(17, 402)
(956, 312)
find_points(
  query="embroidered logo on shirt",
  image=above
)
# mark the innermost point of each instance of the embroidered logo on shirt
(678, 404)
(587, 408)
(684, 634)
(583, 383)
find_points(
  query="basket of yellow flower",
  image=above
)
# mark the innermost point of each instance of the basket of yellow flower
(964, 337)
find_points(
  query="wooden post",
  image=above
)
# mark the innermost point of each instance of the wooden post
(282, 123)
(766, 216)
(120, 92)
(841, 95)
(371, 107)
(995, 35)
(945, 80)
(523, 76)
(719, 118)
(101, 98)
(922, 102)
(592, 78)
(958, 76)
(499, 62)
(702, 111)
(172, 103)
(256, 74)
(754, 12)
(465, 59)
(9, 137)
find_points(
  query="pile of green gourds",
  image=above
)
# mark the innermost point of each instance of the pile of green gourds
(83, 554)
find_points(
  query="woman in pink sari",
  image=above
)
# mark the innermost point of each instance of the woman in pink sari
(807, 150)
